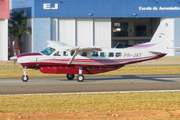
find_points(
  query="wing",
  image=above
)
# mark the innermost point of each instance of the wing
(72, 48)
(85, 49)
(56, 44)
(82, 49)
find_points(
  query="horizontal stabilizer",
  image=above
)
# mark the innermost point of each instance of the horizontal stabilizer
(176, 48)
(156, 52)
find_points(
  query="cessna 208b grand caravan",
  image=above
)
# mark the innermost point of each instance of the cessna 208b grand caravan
(60, 58)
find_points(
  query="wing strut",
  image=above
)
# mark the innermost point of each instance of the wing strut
(74, 55)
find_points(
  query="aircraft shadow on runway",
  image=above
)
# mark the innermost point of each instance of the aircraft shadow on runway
(125, 77)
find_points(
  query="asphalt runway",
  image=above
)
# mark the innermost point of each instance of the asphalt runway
(41, 85)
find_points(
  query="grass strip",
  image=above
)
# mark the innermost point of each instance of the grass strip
(19, 104)
(10, 66)
(145, 70)
(130, 70)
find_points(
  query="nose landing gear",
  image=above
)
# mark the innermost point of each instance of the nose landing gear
(25, 78)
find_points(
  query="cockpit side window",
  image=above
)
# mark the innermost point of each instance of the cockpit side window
(57, 53)
(48, 51)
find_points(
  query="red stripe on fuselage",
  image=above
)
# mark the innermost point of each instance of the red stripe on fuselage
(27, 54)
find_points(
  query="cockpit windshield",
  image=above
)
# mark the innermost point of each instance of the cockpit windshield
(48, 51)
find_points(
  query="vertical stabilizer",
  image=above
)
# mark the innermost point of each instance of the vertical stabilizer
(163, 32)
(164, 36)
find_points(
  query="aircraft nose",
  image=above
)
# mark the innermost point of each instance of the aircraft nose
(13, 58)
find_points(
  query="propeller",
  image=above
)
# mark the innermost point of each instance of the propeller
(14, 58)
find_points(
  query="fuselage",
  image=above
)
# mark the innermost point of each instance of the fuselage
(61, 58)
(56, 60)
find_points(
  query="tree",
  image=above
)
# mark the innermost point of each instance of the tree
(23, 29)
(17, 27)
(15, 21)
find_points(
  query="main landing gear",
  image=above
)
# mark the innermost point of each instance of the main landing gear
(25, 78)
(80, 77)
(70, 76)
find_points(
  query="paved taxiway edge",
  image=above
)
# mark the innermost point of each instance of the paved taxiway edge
(97, 92)
(92, 84)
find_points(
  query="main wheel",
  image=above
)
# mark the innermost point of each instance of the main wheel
(25, 78)
(80, 78)
(70, 76)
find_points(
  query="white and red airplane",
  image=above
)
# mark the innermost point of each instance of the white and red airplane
(60, 58)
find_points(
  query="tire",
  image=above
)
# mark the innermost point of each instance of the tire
(70, 76)
(80, 78)
(25, 78)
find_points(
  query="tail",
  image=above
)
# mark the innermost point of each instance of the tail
(163, 37)
(163, 32)
(161, 40)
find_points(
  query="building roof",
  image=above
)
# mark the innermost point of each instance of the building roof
(100, 8)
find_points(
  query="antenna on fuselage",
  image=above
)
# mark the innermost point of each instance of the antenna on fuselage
(116, 45)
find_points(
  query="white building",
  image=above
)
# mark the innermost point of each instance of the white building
(98, 22)
(4, 16)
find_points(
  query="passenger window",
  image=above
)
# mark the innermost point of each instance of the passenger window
(57, 53)
(72, 53)
(103, 54)
(118, 54)
(65, 53)
(94, 54)
(83, 53)
(111, 54)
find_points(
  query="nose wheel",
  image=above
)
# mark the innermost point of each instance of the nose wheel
(25, 78)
